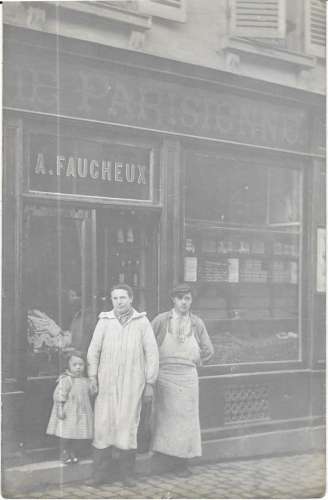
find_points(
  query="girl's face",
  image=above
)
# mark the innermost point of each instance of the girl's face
(76, 366)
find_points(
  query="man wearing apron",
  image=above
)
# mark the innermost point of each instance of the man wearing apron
(183, 345)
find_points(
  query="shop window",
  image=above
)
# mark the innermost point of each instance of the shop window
(293, 26)
(243, 227)
(56, 286)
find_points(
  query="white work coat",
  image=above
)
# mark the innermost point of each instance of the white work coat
(124, 359)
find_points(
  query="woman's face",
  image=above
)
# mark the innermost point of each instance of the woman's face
(182, 304)
(76, 366)
(121, 300)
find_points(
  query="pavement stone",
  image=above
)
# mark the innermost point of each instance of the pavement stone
(297, 476)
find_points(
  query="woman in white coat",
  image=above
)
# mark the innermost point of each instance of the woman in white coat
(123, 366)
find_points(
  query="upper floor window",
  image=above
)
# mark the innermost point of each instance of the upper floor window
(297, 26)
(174, 10)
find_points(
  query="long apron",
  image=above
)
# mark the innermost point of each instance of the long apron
(176, 415)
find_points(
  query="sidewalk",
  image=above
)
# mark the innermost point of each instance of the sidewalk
(294, 476)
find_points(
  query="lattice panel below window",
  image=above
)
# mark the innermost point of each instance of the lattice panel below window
(245, 403)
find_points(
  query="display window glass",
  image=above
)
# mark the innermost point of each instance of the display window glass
(70, 260)
(58, 315)
(243, 256)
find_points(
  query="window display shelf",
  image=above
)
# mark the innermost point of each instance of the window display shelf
(234, 320)
(238, 255)
(196, 225)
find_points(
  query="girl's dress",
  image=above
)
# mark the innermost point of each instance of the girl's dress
(75, 393)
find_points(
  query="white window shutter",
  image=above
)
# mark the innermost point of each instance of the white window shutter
(258, 18)
(174, 10)
(315, 27)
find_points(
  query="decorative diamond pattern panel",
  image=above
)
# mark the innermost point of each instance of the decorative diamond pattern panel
(246, 402)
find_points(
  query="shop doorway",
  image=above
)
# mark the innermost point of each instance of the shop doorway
(127, 243)
(71, 257)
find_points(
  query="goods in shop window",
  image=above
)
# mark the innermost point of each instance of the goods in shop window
(233, 270)
(121, 275)
(135, 273)
(120, 236)
(277, 248)
(212, 307)
(130, 235)
(214, 271)
(288, 249)
(293, 272)
(43, 332)
(208, 245)
(252, 271)
(286, 335)
(220, 247)
(284, 272)
(258, 247)
(244, 247)
(189, 247)
(190, 269)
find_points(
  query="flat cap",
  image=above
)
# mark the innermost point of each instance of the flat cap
(181, 289)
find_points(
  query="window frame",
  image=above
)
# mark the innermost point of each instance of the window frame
(210, 370)
(172, 10)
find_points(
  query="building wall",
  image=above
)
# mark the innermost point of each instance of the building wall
(204, 38)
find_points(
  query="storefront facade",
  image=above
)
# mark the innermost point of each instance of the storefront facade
(124, 167)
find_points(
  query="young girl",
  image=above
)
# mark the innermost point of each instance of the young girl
(71, 418)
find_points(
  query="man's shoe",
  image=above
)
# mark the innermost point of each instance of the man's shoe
(94, 481)
(129, 482)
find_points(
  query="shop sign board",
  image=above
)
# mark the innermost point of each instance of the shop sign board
(90, 168)
(140, 98)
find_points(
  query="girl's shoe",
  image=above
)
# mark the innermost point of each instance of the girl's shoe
(74, 459)
(66, 458)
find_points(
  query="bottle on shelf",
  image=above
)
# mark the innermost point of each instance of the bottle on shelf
(121, 275)
(120, 235)
(130, 235)
(190, 261)
(135, 273)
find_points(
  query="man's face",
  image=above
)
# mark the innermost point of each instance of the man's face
(121, 300)
(182, 303)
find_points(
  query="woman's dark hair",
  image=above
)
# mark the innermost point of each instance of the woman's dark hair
(123, 286)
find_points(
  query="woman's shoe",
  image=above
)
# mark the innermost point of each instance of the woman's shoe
(185, 472)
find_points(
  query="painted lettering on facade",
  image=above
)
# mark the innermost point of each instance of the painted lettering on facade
(141, 99)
